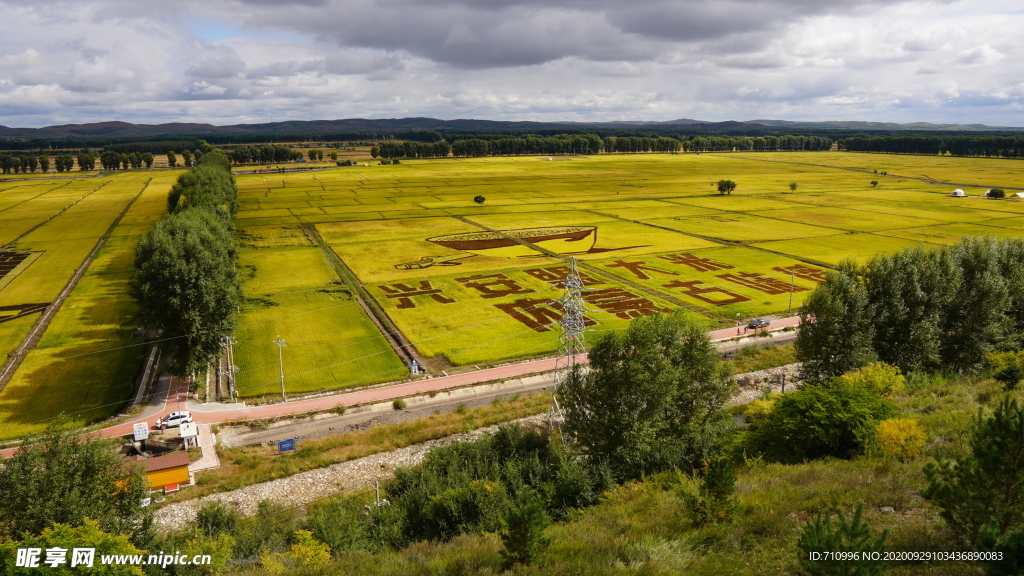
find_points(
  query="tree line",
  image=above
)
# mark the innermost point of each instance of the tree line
(917, 309)
(563, 144)
(186, 280)
(66, 162)
(408, 149)
(987, 146)
(263, 154)
(111, 160)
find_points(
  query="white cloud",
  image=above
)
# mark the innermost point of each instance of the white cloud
(983, 55)
(943, 61)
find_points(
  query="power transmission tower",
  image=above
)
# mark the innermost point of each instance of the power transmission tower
(280, 358)
(571, 345)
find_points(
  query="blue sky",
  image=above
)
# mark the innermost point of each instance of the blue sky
(249, 60)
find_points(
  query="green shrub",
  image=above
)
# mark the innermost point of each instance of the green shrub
(523, 538)
(1011, 548)
(851, 537)
(715, 500)
(996, 193)
(883, 378)
(343, 525)
(1009, 377)
(984, 491)
(216, 518)
(398, 404)
(473, 507)
(268, 530)
(837, 420)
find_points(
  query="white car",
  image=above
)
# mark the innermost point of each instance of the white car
(173, 420)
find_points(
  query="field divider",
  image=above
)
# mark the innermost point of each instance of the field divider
(600, 272)
(729, 243)
(394, 336)
(36, 334)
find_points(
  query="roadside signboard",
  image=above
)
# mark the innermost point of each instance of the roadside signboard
(141, 431)
(286, 445)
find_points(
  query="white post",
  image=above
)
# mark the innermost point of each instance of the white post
(280, 358)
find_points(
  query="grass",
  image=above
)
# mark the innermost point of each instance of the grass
(247, 466)
(755, 357)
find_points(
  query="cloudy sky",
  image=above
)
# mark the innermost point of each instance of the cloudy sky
(236, 61)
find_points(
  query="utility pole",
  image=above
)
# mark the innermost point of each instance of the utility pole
(571, 343)
(280, 358)
(792, 281)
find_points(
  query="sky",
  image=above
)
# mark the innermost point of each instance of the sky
(251, 61)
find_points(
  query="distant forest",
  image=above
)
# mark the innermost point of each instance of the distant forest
(990, 146)
(593, 144)
(427, 143)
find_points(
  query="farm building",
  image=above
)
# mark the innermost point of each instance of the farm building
(958, 193)
(167, 472)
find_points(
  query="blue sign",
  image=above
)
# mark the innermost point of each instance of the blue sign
(286, 445)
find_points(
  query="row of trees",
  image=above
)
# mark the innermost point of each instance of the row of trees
(408, 149)
(111, 160)
(593, 144)
(989, 146)
(186, 281)
(66, 162)
(920, 308)
(263, 154)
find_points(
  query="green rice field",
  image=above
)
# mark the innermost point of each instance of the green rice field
(653, 234)
(467, 283)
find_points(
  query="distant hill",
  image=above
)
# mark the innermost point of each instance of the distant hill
(116, 130)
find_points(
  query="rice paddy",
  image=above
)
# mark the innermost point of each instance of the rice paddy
(465, 283)
(650, 232)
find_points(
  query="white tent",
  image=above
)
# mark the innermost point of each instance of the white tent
(1019, 195)
(958, 193)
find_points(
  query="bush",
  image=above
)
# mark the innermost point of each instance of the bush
(880, 377)
(853, 536)
(473, 507)
(216, 518)
(343, 525)
(996, 193)
(715, 500)
(523, 538)
(901, 438)
(1009, 377)
(837, 420)
(983, 492)
(398, 404)
(999, 360)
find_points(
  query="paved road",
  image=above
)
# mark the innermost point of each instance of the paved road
(212, 413)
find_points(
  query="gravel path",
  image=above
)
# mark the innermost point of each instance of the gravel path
(308, 486)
